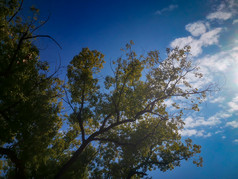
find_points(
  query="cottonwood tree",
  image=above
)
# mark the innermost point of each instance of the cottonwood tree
(125, 122)
(29, 105)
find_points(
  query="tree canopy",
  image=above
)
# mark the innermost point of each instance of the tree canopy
(29, 99)
(119, 126)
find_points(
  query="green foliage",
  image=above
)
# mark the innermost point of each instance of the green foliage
(80, 74)
(118, 128)
(29, 99)
(128, 121)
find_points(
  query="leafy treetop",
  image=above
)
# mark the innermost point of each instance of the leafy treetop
(118, 128)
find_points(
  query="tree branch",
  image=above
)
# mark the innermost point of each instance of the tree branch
(79, 116)
(114, 141)
(104, 121)
(16, 11)
(44, 36)
(39, 26)
(132, 173)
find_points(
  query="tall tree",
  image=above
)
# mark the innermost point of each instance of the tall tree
(127, 121)
(117, 129)
(29, 105)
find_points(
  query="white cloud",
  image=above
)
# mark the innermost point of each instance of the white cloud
(188, 132)
(211, 37)
(169, 8)
(222, 61)
(224, 11)
(224, 115)
(199, 121)
(233, 124)
(233, 4)
(235, 141)
(235, 99)
(233, 104)
(196, 28)
(194, 132)
(219, 15)
(213, 67)
(217, 100)
(206, 39)
(181, 42)
(191, 122)
(207, 135)
(235, 21)
(217, 132)
(214, 64)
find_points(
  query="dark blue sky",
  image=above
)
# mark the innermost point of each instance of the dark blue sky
(109, 25)
(208, 26)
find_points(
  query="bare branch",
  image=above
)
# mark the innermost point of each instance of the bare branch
(104, 121)
(16, 11)
(44, 36)
(36, 28)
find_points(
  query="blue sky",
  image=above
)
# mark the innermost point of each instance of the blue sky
(210, 27)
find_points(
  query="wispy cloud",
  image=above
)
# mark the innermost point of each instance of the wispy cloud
(226, 10)
(219, 62)
(219, 131)
(194, 132)
(235, 21)
(233, 124)
(206, 39)
(217, 100)
(166, 9)
(223, 137)
(191, 122)
(212, 66)
(194, 121)
(233, 104)
(235, 141)
(219, 16)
